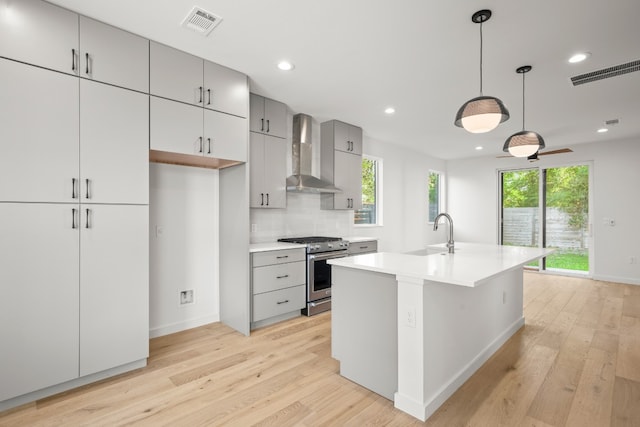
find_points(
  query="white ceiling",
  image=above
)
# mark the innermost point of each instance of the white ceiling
(353, 58)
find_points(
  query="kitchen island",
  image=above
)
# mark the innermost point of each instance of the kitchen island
(413, 327)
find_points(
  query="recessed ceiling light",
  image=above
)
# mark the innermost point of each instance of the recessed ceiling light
(389, 110)
(285, 66)
(579, 57)
(479, 147)
(603, 130)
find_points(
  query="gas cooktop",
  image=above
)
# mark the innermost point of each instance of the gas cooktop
(317, 244)
(310, 239)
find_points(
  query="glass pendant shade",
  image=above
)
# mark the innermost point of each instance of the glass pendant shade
(523, 144)
(481, 114)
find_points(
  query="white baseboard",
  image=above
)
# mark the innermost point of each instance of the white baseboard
(625, 280)
(182, 326)
(425, 410)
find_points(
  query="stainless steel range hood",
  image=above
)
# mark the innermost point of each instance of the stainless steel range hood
(302, 180)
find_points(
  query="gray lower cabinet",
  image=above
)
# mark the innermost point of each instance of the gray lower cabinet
(278, 287)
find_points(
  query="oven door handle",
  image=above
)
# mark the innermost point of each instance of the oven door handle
(330, 255)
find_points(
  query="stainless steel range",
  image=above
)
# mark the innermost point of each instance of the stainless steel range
(319, 250)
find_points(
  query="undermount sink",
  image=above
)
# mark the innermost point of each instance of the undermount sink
(428, 251)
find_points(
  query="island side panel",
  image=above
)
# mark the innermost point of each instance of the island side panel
(364, 334)
(462, 328)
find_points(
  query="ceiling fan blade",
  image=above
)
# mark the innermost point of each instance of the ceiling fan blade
(559, 151)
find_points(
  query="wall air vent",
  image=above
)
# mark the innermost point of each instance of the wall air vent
(606, 73)
(201, 21)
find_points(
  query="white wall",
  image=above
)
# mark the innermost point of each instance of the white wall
(405, 227)
(184, 254)
(473, 202)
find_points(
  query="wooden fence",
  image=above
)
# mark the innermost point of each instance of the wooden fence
(520, 228)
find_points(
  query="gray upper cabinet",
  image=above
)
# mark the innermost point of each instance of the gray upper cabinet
(114, 56)
(268, 173)
(225, 136)
(39, 33)
(341, 164)
(175, 74)
(225, 90)
(348, 138)
(268, 116)
(187, 78)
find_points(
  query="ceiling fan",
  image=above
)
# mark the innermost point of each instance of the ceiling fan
(534, 156)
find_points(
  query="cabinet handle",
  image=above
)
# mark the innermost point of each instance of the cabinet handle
(282, 257)
(200, 102)
(282, 277)
(209, 145)
(73, 59)
(268, 126)
(209, 93)
(73, 189)
(283, 302)
(267, 199)
(200, 145)
(261, 199)
(87, 223)
(87, 194)
(262, 125)
(364, 247)
(73, 219)
(86, 59)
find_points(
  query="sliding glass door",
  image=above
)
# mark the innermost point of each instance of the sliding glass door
(548, 207)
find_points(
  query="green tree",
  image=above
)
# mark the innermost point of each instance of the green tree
(368, 181)
(520, 188)
(568, 190)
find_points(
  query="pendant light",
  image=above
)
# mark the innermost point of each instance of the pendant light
(524, 143)
(484, 113)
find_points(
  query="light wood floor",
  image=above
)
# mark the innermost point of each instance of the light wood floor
(575, 363)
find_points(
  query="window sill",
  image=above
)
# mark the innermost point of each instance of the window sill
(367, 225)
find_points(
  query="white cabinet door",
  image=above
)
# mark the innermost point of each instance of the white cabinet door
(275, 114)
(176, 75)
(226, 90)
(38, 134)
(348, 177)
(175, 127)
(114, 139)
(39, 33)
(114, 56)
(39, 303)
(114, 286)
(225, 136)
(256, 113)
(275, 171)
(348, 138)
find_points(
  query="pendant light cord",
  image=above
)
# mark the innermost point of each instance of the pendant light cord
(481, 58)
(523, 101)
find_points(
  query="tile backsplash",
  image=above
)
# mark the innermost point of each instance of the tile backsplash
(302, 217)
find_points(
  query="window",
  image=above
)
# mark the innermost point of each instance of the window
(436, 194)
(371, 212)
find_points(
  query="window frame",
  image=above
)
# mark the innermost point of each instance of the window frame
(378, 202)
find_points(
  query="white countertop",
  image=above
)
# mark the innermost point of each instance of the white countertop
(470, 265)
(273, 246)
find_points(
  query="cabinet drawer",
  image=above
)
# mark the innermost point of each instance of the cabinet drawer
(279, 276)
(279, 302)
(363, 247)
(278, 257)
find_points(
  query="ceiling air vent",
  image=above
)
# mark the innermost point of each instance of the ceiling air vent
(201, 21)
(606, 73)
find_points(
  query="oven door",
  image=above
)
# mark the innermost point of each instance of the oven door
(319, 274)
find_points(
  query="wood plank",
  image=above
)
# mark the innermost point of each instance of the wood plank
(628, 363)
(626, 403)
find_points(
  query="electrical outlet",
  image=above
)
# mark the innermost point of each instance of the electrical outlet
(254, 228)
(159, 230)
(186, 297)
(633, 260)
(411, 317)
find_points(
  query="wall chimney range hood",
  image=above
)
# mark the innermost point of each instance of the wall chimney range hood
(302, 181)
